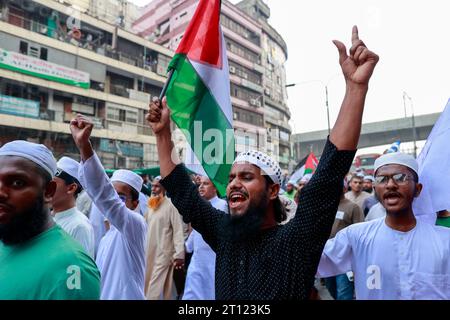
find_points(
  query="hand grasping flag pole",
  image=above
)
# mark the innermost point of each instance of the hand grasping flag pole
(198, 93)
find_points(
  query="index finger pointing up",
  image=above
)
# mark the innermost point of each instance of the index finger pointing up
(355, 36)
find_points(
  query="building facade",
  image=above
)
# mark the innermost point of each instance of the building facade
(256, 55)
(57, 61)
(274, 56)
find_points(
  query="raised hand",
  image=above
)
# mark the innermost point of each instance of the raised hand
(159, 116)
(81, 129)
(359, 65)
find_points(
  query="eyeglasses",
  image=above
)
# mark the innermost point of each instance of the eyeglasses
(399, 178)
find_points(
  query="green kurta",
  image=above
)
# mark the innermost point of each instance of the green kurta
(443, 221)
(50, 266)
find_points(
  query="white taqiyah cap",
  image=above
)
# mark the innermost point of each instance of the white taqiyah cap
(262, 161)
(38, 153)
(397, 158)
(128, 177)
(69, 166)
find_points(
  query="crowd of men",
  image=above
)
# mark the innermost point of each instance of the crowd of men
(69, 231)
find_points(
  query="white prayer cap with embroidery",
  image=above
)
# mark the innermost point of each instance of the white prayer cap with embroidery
(371, 178)
(38, 153)
(397, 158)
(129, 177)
(262, 161)
(69, 166)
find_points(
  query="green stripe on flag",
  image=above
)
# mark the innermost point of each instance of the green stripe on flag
(195, 110)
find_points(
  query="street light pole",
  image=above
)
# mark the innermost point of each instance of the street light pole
(326, 95)
(413, 121)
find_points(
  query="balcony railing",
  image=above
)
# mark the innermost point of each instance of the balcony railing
(58, 34)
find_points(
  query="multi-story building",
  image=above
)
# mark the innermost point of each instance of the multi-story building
(258, 95)
(274, 56)
(57, 61)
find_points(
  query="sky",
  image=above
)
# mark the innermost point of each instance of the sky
(410, 36)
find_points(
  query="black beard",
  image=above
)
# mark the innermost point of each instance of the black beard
(245, 226)
(26, 225)
(368, 190)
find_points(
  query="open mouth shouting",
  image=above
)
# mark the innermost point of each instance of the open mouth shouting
(392, 198)
(237, 200)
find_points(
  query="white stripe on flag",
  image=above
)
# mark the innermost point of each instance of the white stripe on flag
(434, 169)
(218, 82)
(191, 161)
(298, 174)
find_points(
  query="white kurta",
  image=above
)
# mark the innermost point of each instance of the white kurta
(120, 256)
(98, 224)
(389, 264)
(377, 211)
(201, 271)
(143, 206)
(78, 226)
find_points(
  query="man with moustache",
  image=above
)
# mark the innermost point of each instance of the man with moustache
(397, 257)
(165, 244)
(38, 260)
(256, 258)
(356, 194)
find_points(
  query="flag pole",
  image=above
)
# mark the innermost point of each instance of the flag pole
(164, 89)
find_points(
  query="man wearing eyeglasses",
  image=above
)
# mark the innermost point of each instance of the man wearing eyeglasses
(396, 257)
(65, 212)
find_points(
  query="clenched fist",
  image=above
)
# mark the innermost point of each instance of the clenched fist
(159, 116)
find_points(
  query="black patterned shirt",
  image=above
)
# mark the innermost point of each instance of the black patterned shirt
(279, 263)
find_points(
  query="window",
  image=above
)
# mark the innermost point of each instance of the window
(23, 49)
(241, 51)
(246, 73)
(122, 115)
(34, 52)
(43, 55)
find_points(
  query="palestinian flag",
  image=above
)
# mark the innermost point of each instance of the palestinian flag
(198, 94)
(307, 165)
(311, 164)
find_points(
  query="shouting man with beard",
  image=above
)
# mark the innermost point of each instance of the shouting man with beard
(38, 260)
(256, 257)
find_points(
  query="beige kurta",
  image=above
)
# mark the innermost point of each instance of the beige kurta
(165, 242)
(358, 199)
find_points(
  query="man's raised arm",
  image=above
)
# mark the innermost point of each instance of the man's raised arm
(357, 69)
(183, 193)
(159, 119)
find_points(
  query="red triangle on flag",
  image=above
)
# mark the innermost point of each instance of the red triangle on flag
(202, 39)
(311, 163)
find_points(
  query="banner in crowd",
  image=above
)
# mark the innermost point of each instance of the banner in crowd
(43, 69)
